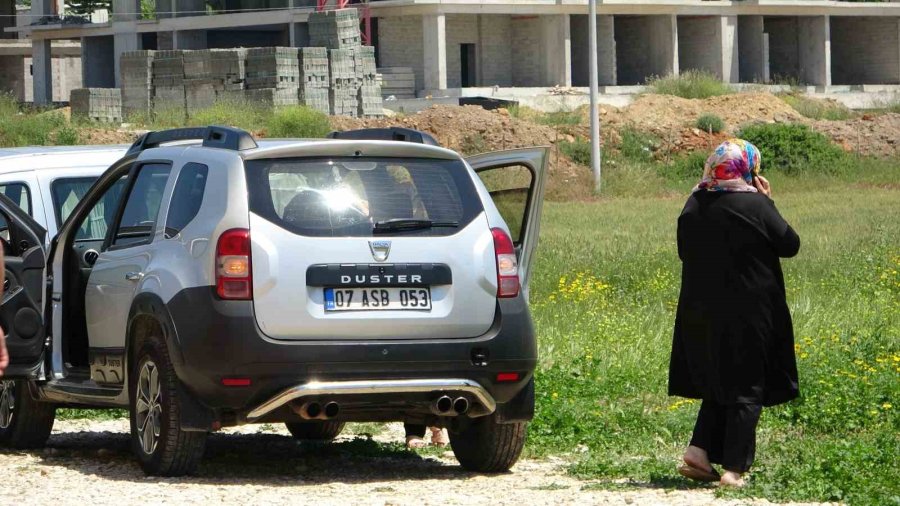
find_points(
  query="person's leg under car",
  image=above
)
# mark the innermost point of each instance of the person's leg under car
(415, 435)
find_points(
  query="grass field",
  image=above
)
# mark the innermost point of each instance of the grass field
(604, 292)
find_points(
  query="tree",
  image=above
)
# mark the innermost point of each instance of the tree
(87, 7)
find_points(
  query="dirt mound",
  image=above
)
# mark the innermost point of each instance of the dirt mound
(471, 130)
(871, 135)
(665, 114)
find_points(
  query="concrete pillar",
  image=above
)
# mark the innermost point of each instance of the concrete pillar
(189, 39)
(299, 34)
(96, 53)
(556, 48)
(664, 44)
(42, 74)
(753, 50)
(814, 41)
(126, 10)
(729, 45)
(434, 40)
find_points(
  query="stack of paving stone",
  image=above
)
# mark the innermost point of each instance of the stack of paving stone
(136, 68)
(97, 104)
(399, 82)
(345, 82)
(168, 81)
(369, 94)
(199, 83)
(335, 29)
(314, 82)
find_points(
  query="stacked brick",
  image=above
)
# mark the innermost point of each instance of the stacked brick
(168, 81)
(344, 92)
(211, 75)
(369, 94)
(136, 68)
(335, 29)
(399, 82)
(314, 82)
(97, 104)
(273, 75)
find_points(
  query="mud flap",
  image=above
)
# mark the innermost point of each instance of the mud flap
(520, 408)
(194, 415)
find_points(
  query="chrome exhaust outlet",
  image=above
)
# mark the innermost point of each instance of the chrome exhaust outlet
(461, 405)
(331, 410)
(308, 410)
(442, 405)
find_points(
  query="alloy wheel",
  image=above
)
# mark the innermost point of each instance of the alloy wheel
(7, 402)
(148, 410)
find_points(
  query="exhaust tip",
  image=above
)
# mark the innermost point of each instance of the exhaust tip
(313, 410)
(444, 404)
(461, 405)
(332, 409)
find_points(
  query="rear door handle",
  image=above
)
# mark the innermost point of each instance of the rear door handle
(134, 276)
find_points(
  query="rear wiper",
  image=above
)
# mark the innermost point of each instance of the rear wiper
(410, 224)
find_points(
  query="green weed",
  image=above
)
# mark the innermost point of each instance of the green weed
(297, 121)
(710, 123)
(579, 151)
(793, 148)
(690, 84)
(472, 144)
(817, 109)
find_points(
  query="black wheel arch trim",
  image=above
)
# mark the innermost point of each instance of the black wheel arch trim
(195, 416)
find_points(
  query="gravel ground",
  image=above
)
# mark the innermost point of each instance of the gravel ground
(89, 462)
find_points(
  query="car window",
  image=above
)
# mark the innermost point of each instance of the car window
(510, 188)
(67, 193)
(139, 217)
(186, 197)
(18, 193)
(347, 197)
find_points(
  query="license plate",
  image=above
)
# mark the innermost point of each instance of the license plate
(377, 299)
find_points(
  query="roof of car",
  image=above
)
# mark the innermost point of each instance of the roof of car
(58, 150)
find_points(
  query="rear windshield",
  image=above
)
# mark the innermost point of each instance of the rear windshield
(349, 197)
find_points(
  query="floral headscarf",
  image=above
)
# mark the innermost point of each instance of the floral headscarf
(731, 168)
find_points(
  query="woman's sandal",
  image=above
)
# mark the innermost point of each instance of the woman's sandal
(438, 437)
(415, 442)
(697, 474)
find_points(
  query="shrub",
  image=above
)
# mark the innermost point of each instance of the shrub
(686, 167)
(710, 123)
(793, 148)
(30, 129)
(67, 135)
(690, 84)
(817, 109)
(298, 121)
(232, 113)
(579, 151)
(559, 118)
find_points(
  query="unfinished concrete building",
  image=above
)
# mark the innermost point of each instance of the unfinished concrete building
(459, 47)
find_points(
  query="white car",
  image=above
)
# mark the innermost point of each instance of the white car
(47, 182)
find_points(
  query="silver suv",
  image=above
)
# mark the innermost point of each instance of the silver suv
(207, 281)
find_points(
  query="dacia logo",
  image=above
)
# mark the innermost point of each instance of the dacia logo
(380, 250)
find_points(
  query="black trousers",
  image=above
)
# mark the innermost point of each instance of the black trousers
(728, 434)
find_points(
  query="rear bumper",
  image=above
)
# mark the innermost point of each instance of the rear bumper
(216, 339)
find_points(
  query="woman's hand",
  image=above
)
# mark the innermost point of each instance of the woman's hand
(4, 357)
(762, 184)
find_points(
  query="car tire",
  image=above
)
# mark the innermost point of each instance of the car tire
(315, 431)
(485, 446)
(161, 446)
(25, 422)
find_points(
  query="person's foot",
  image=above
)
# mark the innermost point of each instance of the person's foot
(697, 458)
(415, 442)
(732, 479)
(439, 437)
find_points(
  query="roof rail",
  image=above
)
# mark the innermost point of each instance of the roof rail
(385, 134)
(221, 137)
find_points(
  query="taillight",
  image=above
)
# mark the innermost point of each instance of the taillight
(234, 279)
(507, 265)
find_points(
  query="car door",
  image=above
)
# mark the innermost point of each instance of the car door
(120, 268)
(22, 309)
(515, 180)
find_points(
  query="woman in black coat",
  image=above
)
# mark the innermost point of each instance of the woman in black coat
(733, 344)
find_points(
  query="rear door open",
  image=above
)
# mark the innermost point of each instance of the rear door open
(21, 311)
(515, 180)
